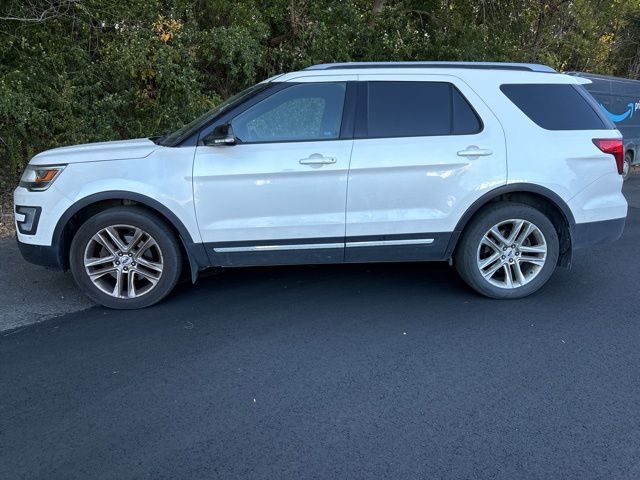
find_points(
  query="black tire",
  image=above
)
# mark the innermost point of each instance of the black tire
(466, 255)
(626, 172)
(141, 218)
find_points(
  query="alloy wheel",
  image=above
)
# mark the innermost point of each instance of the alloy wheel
(123, 261)
(512, 253)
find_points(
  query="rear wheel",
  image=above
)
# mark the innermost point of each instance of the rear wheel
(125, 258)
(508, 250)
(626, 166)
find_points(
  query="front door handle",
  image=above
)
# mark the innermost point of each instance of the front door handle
(317, 159)
(473, 151)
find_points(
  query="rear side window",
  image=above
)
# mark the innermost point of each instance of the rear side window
(556, 107)
(415, 109)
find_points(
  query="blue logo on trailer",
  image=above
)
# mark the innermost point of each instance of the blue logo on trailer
(616, 118)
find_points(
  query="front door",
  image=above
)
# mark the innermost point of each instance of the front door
(278, 196)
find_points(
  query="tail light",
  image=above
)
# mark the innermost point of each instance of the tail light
(615, 147)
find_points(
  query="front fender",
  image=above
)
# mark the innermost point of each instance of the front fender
(195, 250)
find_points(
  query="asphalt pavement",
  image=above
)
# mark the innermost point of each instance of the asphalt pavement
(346, 372)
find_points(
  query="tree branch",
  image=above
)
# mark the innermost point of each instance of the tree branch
(53, 11)
(293, 20)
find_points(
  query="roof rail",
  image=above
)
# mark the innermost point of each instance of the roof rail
(602, 77)
(529, 67)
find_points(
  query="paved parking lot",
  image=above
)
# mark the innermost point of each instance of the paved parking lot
(382, 371)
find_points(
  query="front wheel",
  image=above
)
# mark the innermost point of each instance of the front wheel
(508, 250)
(125, 258)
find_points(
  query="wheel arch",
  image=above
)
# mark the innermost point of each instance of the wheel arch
(80, 211)
(538, 197)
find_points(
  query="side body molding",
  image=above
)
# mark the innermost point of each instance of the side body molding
(196, 251)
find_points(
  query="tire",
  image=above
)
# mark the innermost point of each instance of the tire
(474, 251)
(150, 263)
(626, 170)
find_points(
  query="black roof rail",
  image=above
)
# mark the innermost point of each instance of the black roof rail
(528, 67)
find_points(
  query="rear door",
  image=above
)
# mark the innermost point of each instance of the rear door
(426, 147)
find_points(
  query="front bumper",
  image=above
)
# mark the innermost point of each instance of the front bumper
(49, 207)
(36, 217)
(596, 233)
(43, 255)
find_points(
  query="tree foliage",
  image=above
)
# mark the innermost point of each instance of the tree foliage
(75, 71)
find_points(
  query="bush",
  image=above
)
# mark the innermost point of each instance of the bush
(75, 71)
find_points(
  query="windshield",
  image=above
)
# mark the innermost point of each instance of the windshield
(177, 136)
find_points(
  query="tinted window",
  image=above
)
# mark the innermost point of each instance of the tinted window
(410, 109)
(465, 120)
(303, 112)
(556, 107)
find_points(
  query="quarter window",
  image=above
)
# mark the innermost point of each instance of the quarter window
(557, 106)
(465, 120)
(301, 112)
(413, 109)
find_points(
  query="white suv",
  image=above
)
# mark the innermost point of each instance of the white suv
(500, 169)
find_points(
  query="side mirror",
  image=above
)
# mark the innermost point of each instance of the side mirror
(221, 135)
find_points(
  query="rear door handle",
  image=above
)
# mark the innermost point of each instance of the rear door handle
(473, 151)
(317, 159)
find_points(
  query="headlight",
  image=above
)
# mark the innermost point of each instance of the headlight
(38, 178)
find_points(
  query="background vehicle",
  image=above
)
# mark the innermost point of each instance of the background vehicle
(620, 99)
(500, 169)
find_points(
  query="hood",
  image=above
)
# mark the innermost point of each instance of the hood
(96, 152)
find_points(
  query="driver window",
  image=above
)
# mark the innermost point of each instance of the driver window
(302, 112)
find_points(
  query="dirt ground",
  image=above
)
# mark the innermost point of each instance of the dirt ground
(7, 227)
